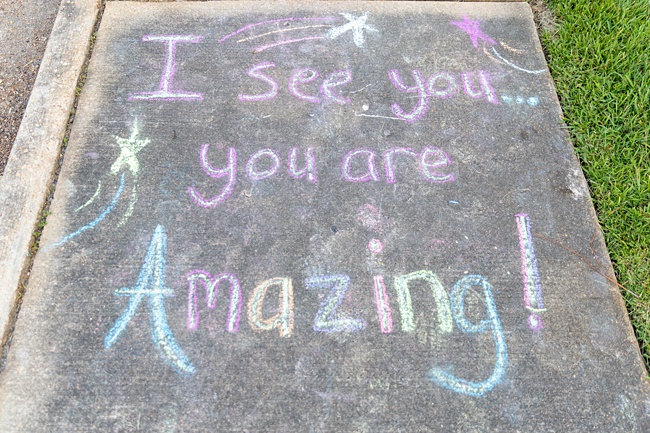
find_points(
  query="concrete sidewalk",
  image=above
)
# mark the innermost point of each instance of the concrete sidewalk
(307, 217)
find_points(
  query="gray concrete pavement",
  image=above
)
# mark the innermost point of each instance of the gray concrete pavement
(320, 217)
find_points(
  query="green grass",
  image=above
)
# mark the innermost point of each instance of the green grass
(599, 57)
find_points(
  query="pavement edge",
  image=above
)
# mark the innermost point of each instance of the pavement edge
(32, 162)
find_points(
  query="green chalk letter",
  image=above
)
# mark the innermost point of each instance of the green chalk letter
(445, 321)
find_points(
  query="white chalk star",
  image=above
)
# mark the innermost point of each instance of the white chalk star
(356, 24)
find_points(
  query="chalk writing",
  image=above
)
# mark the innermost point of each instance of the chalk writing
(383, 306)
(371, 169)
(253, 72)
(283, 320)
(336, 79)
(485, 89)
(310, 165)
(299, 77)
(448, 91)
(421, 106)
(303, 76)
(388, 161)
(230, 170)
(356, 25)
(441, 161)
(533, 101)
(492, 323)
(165, 91)
(211, 285)
(251, 165)
(359, 165)
(326, 319)
(427, 88)
(530, 273)
(445, 322)
(151, 284)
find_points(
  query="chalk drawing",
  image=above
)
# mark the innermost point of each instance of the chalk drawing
(473, 30)
(356, 25)
(128, 158)
(285, 42)
(230, 171)
(445, 322)
(292, 29)
(447, 92)
(92, 199)
(420, 88)
(279, 20)
(370, 218)
(310, 165)
(283, 320)
(96, 221)
(303, 76)
(375, 246)
(251, 165)
(485, 91)
(509, 63)
(530, 273)
(492, 323)
(428, 168)
(151, 284)
(326, 319)
(533, 101)
(165, 91)
(254, 73)
(371, 169)
(388, 161)
(211, 285)
(383, 305)
(335, 79)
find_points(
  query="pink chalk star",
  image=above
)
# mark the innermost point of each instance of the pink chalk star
(473, 30)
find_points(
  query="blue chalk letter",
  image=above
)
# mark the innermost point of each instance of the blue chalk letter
(491, 323)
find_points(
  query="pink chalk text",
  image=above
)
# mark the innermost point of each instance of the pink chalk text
(165, 90)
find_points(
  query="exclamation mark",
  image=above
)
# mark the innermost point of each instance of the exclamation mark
(532, 285)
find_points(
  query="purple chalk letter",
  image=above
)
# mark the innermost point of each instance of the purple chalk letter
(310, 165)
(254, 73)
(335, 79)
(420, 88)
(165, 91)
(371, 171)
(303, 76)
(428, 169)
(485, 91)
(388, 161)
(251, 166)
(230, 171)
